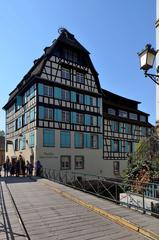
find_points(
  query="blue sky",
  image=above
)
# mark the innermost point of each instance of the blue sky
(113, 32)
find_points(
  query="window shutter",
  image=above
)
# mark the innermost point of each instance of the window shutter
(112, 126)
(120, 146)
(58, 115)
(99, 102)
(40, 89)
(49, 137)
(87, 119)
(126, 128)
(87, 100)
(76, 139)
(99, 121)
(112, 145)
(14, 144)
(41, 112)
(65, 139)
(19, 101)
(57, 92)
(120, 127)
(126, 147)
(32, 114)
(87, 140)
(133, 129)
(100, 141)
(73, 117)
(73, 96)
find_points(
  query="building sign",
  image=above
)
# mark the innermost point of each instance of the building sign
(48, 155)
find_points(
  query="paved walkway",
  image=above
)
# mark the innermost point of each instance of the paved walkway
(50, 211)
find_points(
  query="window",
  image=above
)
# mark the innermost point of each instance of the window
(22, 143)
(48, 138)
(65, 95)
(116, 167)
(65, 116)
(19, 122)
(91, 120)
(133, 116)
(70, 55)
(80, 118)
(16, 146)
(94, 141)
(31, 139)
(91, 101)
(114, 126)
(65, 162)
(65, 139)
(32, 115)
(114, 145)
(127, 128)
(48, 91)
(111, 111)
(25, 119)
(143, 131)
(78, 140)
(48, 113)
(80, 78)
(142, 118)
(32, 92)
(123, 114)
(79, 98)
(65, 73)
(129, 147)
(79, 162)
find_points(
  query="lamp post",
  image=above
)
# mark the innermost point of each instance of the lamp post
(147, 58)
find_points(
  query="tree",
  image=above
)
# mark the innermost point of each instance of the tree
(2, 133)
(144, 162)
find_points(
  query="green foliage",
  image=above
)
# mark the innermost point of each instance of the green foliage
(2, 133)
(146, 156)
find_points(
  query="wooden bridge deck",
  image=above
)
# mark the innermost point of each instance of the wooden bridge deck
(53, 211)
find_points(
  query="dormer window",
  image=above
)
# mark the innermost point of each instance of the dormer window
(111, 111)
(70, 55)
(142, 118)
(80, 78)
(123, 114)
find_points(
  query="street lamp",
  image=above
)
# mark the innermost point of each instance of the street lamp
(147, 58)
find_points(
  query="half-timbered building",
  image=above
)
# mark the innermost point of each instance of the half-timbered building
(59, 114)
(124, 126)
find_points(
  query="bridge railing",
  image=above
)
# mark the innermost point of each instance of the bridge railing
(144, 196)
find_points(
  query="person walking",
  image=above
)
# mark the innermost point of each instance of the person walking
(23, 167)
(38, 168)
(27, 168)
(17, 168)
(30, 169)
(6, 167)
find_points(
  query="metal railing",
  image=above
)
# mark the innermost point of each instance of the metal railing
(142, 197)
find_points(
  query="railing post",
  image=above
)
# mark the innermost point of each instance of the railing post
(143, 201)
(116, 192)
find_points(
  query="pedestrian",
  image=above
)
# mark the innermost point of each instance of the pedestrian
(38, 168)
(23, 167)
(6, 166)
(12, 169)
(17, 168)
(27, 168)
(30, 169)
(0, 169)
